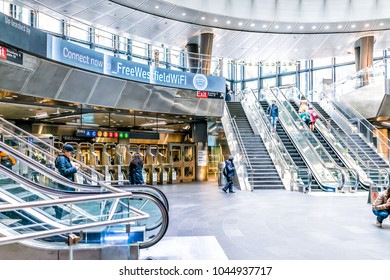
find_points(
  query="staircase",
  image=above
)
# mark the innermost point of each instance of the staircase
(265, 175)
(293, 152)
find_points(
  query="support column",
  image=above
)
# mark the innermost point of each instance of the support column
(364, 52)
(206, 49)
(193, 54)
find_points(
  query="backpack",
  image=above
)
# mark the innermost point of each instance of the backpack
(225, 171)
(6, 161)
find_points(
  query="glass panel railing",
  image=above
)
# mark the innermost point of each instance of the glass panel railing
(284, 164)
(18, 190)
(321, 164)
(50, 179)
(40, 150)
(339, 139)
(331, 97)
(236, 150)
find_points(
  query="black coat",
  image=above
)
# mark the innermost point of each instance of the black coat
(135, 171)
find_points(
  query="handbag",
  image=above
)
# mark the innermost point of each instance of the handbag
(6, 161)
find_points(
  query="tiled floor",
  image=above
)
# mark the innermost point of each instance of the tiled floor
(206, 223)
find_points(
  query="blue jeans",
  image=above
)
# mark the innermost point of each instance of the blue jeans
(380, 214)
(274, 120)
(229, 184)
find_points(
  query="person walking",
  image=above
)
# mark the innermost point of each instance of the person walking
(135, 170)
(229, 174)
(381, 207)
(273, 112)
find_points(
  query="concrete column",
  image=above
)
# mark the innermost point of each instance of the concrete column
(206, 49)
(364, 52)
(193, 54)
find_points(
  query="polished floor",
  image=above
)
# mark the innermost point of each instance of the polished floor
(206, 223)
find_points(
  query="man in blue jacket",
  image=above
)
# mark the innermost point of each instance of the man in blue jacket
(66, 169)
(273, 112)
(229, 174)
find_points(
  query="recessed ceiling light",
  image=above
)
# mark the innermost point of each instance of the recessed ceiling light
(156, 6)
(215, 20)
(327, 27)
(276, 26)
(252, 24)
(353, 25)
(202, 18)
(301, 27)
(183, 14)
(240, 23)
(228, 22)
(289, 27)
(339, 26)
(367, 25)
(381, 24)
(264, 26)
(338, 47)
(314, 27)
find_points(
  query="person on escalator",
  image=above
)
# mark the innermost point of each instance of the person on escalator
(313, 118)
(64, 164)
(7, 160)
(228, 172)
(273, 113)
(381, 207)
(135, 170)
(66, 169)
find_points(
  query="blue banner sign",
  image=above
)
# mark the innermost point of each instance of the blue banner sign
(22, 36)
(75, 55)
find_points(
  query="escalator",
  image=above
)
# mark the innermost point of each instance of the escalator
(372, 163)
(323, 141)
(17, 189)
(294, 154)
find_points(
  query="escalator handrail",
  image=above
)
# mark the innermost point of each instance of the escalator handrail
(83, 197)
(51, 174)
(328, 125)
(37, 147)
(292, 167)
(334, 167)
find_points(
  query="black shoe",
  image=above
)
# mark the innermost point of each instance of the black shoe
(224, 190)
(232, 192)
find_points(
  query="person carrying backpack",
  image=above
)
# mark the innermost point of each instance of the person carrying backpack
(228, 172)
(7, 160)
(305, 116)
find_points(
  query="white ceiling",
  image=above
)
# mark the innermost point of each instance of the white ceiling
(257, 30)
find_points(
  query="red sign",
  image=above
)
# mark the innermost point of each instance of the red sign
(110, 134)
(3, 52)
(115, 134)
(202, 94)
